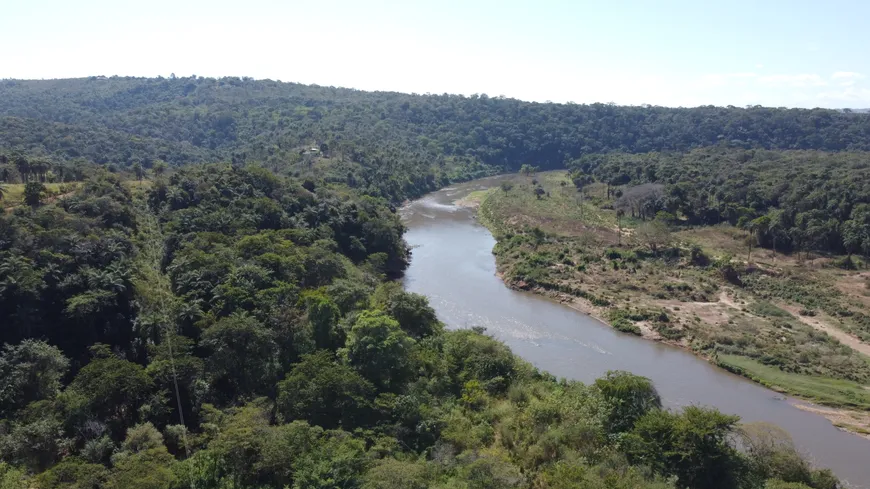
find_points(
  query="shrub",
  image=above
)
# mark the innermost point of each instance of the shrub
(631, 397)
(625, 326)
(846, 263)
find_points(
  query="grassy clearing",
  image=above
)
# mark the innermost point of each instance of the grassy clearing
(560, 210)
(14, 195)
(139, 187)
(833, 392)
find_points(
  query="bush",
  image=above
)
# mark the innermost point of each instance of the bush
(846, 263)
(631, 396)
(697, 256)
(692, 445)
(668, 331)
(625, 326)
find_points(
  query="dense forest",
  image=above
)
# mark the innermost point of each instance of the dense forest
(212, 305)
(230, 328)
(787, 200)
(391, 144)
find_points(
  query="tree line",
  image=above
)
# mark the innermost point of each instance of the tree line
(792, 201)
(390, 144)
(18, 167)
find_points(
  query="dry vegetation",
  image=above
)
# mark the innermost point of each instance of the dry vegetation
(797, 325)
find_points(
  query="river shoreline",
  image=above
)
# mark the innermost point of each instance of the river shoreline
(841, 418)
(454, 266)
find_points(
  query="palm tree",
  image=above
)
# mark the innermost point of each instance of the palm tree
(23, 167)
(138, 171)
(38, 169)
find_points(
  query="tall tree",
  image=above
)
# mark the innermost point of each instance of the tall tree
(379, 350)
(33, 192)
(30, 371)
(242, 359)
(138, 171)
(23, 167)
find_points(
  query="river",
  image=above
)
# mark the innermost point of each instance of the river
(452, 264)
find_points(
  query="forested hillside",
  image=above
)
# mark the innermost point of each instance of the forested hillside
(196, 285)
(395, 144)
(229, 328)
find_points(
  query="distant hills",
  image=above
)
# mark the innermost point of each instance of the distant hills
(412, 141)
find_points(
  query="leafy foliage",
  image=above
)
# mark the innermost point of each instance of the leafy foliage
(387, 144)
(234, 325)
(788, 200)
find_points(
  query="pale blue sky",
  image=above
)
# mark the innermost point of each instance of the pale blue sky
(662, 52)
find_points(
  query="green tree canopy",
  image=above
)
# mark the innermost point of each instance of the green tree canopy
(379, 350)
(243, 357)
(325, 393)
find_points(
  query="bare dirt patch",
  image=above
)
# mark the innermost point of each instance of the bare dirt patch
(823, 324)
(726, 299)
(646, 331)
(855, 286)
(712, 313)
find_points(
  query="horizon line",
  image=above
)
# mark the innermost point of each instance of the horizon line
(172, 76)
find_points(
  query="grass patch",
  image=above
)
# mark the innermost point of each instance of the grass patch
(560, 210)
(764, 308)
(476, 197)
(139, 188)
(831, 392)
(14, 195)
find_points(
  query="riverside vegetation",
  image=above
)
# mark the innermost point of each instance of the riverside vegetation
(630, 255)
(196, 287)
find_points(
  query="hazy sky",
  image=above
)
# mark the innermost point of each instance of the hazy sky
(677, 53)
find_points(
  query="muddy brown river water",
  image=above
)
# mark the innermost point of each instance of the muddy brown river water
(452, 264)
